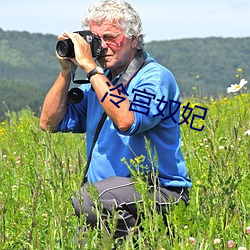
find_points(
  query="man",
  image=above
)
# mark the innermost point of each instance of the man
(135, 92)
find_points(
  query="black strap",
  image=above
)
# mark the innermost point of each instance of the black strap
(97, 132)
(136, 64)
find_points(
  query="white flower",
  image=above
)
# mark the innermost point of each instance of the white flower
(246, 133)
(237, 87)
(242, 248)
(221, 147)
(22, 210)
(217, 241)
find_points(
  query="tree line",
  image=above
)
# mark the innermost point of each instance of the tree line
(202, 67)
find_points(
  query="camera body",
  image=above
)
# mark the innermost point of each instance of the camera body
(65, 48)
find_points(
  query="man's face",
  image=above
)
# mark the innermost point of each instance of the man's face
(118, 50)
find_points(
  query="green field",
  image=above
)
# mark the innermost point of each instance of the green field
(40, 172)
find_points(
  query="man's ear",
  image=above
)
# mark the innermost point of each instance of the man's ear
(134, 42)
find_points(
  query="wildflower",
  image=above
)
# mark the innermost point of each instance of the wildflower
(22, 210)
(192, 240)
(45, 216)
(216, 241)
(240, 70)
(221, 147)
(242, 248)
(198, 182)
(230, 244)
(132, 162)
(14, 188)
(137, 159)
(237, 87)
(247, 133)
(248, 230)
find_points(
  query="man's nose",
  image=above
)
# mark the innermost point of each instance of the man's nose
(104, 44)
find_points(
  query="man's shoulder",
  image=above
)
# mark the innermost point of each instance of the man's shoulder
(154, 64)
(155, 69)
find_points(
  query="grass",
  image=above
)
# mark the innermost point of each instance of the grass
(40, 172)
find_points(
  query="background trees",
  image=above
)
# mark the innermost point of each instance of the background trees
(202, 67)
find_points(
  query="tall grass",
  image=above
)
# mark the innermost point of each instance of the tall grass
(40, 172)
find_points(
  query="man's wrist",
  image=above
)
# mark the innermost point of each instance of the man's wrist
(65, 73)
(96, 70)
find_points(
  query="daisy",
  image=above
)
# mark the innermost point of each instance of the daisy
(246, 133)
(237, 87)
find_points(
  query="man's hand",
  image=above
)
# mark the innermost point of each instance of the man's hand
(83, 54)
(66, 63)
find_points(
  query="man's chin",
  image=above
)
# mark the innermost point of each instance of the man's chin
(105, 64)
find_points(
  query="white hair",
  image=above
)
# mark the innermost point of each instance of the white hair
(120, 13)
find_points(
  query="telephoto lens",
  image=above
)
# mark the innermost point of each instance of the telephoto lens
(65, 48)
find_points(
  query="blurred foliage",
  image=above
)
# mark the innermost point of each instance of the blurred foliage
(16, 95)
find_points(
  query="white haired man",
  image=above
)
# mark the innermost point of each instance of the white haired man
(139, 89)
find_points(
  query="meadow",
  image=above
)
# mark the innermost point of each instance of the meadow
(40, 172)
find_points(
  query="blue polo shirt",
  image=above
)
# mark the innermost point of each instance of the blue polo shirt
(154, 98)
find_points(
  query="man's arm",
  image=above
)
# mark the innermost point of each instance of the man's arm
(122, 117)
(55, 103)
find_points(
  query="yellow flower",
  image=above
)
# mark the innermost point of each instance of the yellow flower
(138, 160)
(240, 70)
(132, 162)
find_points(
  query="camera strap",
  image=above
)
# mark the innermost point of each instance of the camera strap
(136, 64)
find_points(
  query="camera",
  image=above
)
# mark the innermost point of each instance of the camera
(65, 48)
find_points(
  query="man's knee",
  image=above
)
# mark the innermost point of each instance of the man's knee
(84, 205)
